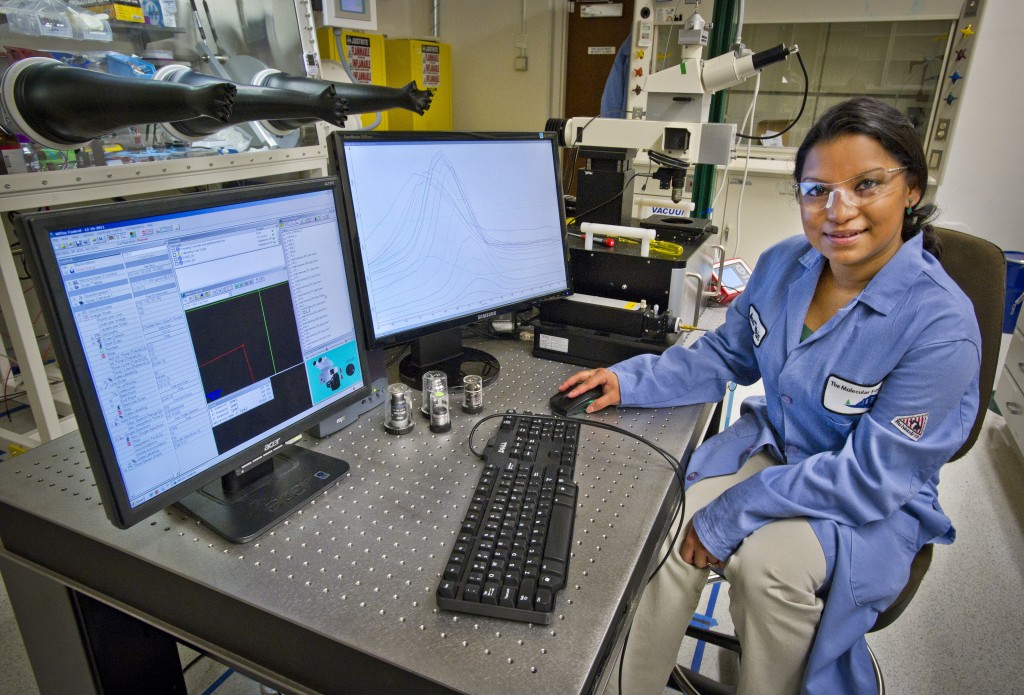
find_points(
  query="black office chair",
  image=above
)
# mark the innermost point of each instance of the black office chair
(979, 267)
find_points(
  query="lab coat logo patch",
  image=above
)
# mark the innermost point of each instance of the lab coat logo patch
(847, 398)
(757, 328)
(911, 425)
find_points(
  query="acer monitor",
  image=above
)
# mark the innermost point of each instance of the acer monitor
(198, 334)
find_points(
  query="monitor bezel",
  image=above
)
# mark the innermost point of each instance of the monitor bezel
(34, 229)
(339, 167)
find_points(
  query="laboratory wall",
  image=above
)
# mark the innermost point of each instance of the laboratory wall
(977, 192)
(981, 188)
(756, 207)
(404, 18)
(489, 92)
(830, 10)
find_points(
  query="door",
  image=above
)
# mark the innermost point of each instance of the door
(591, 45)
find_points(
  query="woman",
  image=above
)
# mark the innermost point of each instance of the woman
(815, 501)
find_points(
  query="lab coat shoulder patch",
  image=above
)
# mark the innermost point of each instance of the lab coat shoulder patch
(847, 398)
(911, 425)
(757, 327)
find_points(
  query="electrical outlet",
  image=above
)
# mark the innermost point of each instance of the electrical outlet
(521, 40)
(519, 63)
(942, 129)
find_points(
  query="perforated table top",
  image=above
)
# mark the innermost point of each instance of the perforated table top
(340, 597)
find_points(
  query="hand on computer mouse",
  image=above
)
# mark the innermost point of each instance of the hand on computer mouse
(600, 378)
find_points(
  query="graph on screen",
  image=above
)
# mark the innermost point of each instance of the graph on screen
(447, 233)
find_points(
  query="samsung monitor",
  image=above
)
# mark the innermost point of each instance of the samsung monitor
(198, 334)
(448, 229)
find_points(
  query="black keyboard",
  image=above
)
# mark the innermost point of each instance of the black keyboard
(512, 553)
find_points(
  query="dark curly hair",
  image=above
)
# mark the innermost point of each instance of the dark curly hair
(887, 126)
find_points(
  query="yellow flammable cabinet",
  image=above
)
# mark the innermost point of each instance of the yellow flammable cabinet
(429, 63)
(364, 53)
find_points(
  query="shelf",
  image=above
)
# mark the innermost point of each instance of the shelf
(147, 28)
(34, 189)
(136, 34)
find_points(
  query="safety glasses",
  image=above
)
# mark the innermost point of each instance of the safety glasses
(857, 191)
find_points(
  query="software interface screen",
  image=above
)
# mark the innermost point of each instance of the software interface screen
(733, 276)
(207, 330)
(448, 229)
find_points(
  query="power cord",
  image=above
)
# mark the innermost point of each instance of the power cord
(672, 460)
(800, 113)
(615, 197)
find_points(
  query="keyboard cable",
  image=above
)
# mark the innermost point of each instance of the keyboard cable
(677, 513)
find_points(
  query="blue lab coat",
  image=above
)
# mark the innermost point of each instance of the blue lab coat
(613, 98)
(862, 414)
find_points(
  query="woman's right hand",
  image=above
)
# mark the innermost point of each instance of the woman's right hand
(693, 551)
(602, 378)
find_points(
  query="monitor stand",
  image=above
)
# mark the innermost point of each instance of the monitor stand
(242, 507)
(445, 352)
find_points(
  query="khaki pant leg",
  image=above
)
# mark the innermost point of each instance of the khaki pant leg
(773, 577)
(670, 599)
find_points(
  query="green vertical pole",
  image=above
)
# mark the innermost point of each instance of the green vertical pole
(720, 41)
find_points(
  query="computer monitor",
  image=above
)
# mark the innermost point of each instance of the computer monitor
(198, 334)
(449, 229)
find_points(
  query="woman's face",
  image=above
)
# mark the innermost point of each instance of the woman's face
(859, 230)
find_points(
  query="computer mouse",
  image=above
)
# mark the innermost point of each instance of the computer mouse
(562, 404)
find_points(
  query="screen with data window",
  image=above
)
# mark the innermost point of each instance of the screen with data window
(204, 332)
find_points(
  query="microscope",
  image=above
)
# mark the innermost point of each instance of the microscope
(627, 300)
